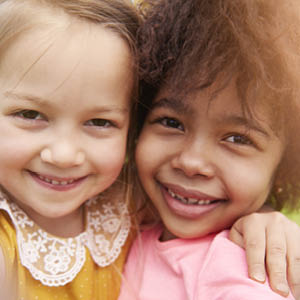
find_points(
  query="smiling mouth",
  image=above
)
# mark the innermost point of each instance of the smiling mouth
(191, 201)
(56, 182)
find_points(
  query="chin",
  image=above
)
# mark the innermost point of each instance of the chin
(57, 212)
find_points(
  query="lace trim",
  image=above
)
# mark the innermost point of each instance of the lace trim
(56, 261)
(108, 223)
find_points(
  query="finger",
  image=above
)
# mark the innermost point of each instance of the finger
(276, 258)
(293, 260)
(294, 275)
(253, 240)
(235, 234)
(255, 252)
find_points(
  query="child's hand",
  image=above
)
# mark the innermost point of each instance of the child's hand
(271, 238)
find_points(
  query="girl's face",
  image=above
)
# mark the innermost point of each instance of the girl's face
(64, 115)
(204, 164)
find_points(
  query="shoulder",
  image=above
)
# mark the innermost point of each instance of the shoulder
(143, 246)
(2, 267)
(2, 264)
(8, 245)
(146, 238)
(6, 283)
(7, 235)
(226, 274)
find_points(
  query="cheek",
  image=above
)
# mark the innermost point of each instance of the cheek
(147, 154)
(15, 151)
(250, 186)
(109, 156)
(14, 157)
(14, 140)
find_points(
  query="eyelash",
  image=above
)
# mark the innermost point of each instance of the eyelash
(37, 116)
(164, 121)
(106, 124)
(243, 139)
(22, 114)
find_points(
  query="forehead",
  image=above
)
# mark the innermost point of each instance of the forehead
(80, 53)
(188, 99)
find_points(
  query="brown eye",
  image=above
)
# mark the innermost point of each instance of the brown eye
(29, 114)
(173, 123)
(239, 139)
(98, 123)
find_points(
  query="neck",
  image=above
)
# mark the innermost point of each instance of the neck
(167, 235)
(66, 226)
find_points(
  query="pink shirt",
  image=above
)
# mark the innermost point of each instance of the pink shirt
(209, 268)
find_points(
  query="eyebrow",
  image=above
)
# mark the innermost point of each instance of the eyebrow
(174, 104)
(43, 102)
(26, 97)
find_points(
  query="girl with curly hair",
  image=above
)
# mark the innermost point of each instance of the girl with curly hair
(218, 117)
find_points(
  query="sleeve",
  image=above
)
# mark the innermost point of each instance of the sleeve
(8, 260)
(7, 243)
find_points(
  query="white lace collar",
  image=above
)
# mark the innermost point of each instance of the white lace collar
(56, 261)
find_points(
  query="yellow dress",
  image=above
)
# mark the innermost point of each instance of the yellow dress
(42, 266)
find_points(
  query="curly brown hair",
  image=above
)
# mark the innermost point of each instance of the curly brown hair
(185, 45)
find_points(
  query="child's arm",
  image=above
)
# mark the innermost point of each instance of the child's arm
(272, 238)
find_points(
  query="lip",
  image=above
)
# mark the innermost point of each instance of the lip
(188, 193)
(61, 183)
(189, 211)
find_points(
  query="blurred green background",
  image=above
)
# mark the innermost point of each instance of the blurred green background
(294, 216)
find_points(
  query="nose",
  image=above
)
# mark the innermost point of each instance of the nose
(63, 153)
(195, 159)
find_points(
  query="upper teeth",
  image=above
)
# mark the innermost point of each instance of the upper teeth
(56, 182)
(187, 200)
